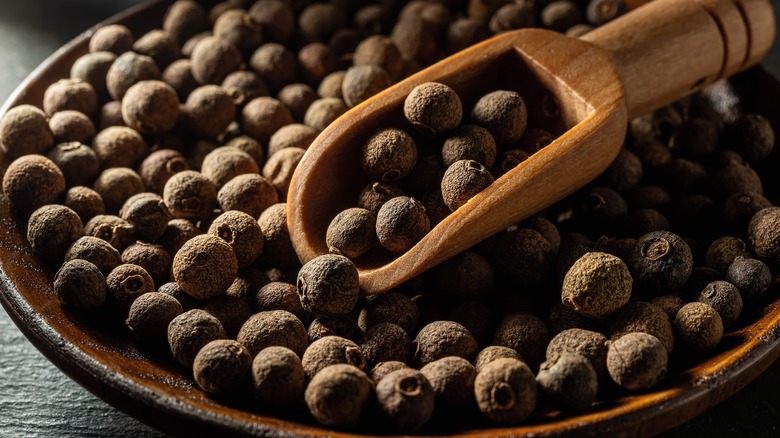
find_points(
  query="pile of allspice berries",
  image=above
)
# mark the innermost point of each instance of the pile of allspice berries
(153, 180)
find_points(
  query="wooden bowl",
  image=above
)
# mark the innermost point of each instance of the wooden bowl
(148, 384)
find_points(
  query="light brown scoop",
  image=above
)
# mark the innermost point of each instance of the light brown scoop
(590, 88)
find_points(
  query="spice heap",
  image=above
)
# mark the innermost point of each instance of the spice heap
(153, 177)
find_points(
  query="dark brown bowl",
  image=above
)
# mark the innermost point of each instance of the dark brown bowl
(148, 384)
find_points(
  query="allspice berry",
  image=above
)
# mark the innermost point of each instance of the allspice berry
(151, 313)
(400, 223)
(51, 230)
(764, 233)
(462, 181)
(24, 130)
(205, 266)
(150, 107)
(277, 377)
(586, 343)
(190, 331)
(636, 361)
(524, 333)
(328, 285)
(79, 284)
(503, 113)
(388, 155)
(331, 350)
(385, 342)
(751, 276)
(190, 195)
(33, 181)
(273, 327)
(452, 379)
(493, 352)
(125, 283)
(661, 262)
(597, 285)
(96, 251)
(433, 108)
(405, 399)
(506, 391)
(443, 338)
(699, 325)
(351, 233)
(242, 232)
(338, 395)
(725, 298)
(638, 316)
(222, 367)
(568, 382)
(249, 193)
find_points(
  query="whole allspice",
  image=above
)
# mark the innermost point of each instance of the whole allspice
(77, 161)
(205, 266)
(503, 113)
(96, 251)
(79, 284)
(351, 233)
(639, 316)
(151, 313)
(150, 107)
(661, 262)
(222, 366)
(328, 285)
(388, 155)
(32, 181)
(597, 285)
(400, 223)
(51, 230)
(331, 350)
(86, 202)
(764, 234)
(148, 214)
(636, 361)
(249, 193)
(452, 379)
(493, 352)
(751, 276)
(433, 108)
(506, 391)
(524, 333)
(242, 232)
(277, 377)
(462, 181)
(725, 298)
(190, 195)
(589, 344)
(406, 399)
(190, 331)
(24, 130)
(443, 338)
(385, 342)
(699, 325)
(568, 382)
(338, 395)
(393, 307)
(124, 284)
(273, 327)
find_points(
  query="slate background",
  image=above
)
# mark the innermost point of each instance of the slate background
(38, 400)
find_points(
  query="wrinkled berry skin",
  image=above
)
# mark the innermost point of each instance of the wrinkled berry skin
(661, 262)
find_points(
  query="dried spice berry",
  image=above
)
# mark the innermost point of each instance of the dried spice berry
(70, 94)
(443, 338)
(205, 266)
(119, 146)
(725, 298)
(159, 45)
(568, 382)
(273, 327)
(589, 344)
(384, 368)
(159, 166)
(751, 276)
(190, 331)
(699, 326)
(563, 318)
(315, 61)
(32, 181)
(343, 326)
(116, 185)
(322, 112)
(363, 81)
(416, 40)
(400, 223)
(277, 247)
(24, 130)
(185, 18)
(78, 162)
(278, 295)
(351, 233)
(125, 283)
(694, 137)
(338, 395)
(524, 333)
(493, 352)
(739, 208)
(231, 311)
(151, 313)
(462, 181)
(243, 86)
(249, 193)
(752, 136)
(222, 367)
(79, 284)
(506, 391)
(406, 399)
(114, 38)
(331, 350)
(670, 304)
(661, 262)
(390, 307)
(375, 194)
(468, 274)
(328, 285)
(276, 17)
(150, 107)
(113, 229)
(764, 233)
(96, 251)
(276, 65)
(213, 59)
(147, 213)
(154, 258)
(277, 377)
(379, 50)
(385, 342)
(597, 285)
(433, 108)
(295, 135)
(263, 116)
(208, 110)
(279, 168)
(177, 233)
(190, 195)
(69, 126)
(525, 255)
(736, 178)
(503, 113)
(512, 16)
(242, 232)
(722, 252)
(636, 361)
(51, 230)
(237, 27)
(560, 15)
(388, 155)
(127, 70)
(638, 316)
(452, 379)
(469, 142)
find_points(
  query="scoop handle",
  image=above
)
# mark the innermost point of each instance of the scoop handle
(668, 49)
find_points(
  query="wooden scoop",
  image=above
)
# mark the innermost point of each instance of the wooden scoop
(586, 90)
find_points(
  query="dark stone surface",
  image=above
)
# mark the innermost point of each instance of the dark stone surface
(36, 399)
